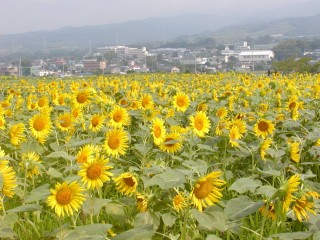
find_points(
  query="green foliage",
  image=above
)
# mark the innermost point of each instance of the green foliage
(302, 65)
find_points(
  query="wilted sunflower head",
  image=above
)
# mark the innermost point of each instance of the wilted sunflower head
(126, 183)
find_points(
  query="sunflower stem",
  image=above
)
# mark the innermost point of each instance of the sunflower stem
(2, 205)
(25, 178)
(74, 222)
(184, 226)
(264, 220)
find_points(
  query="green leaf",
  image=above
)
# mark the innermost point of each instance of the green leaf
(116, 211)
(25, 208)
(168, 219)
(266, 190)
(140, 233)
(275, 154)
(31, 146)
(292, 235)
(6, 226)
(198, 166)
(243, 185)
(75, 143)
(94, 205)
(55, 147)
(213, 237)
(169, 179)
(61, 154)
(240, 207)
(270, 172)
(206, 147)
(54, 173)
(6, 233)
(142, 219)
(91, 231)
(211, 220)
(143, 149)
(38, 194)
(316, 235)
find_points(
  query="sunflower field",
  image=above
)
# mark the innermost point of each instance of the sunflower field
(160, 156)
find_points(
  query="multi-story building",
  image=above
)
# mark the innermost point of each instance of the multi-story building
(93, 65)
(123, 52)
(256, 56)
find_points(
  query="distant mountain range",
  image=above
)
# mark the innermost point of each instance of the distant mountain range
(291, 27)
(160, 30)
(147, 30)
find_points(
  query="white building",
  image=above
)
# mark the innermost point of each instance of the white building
(256, 56)
(124, 52)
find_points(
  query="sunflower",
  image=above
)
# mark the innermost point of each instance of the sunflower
(295, 114)
(293, 103)
(200, 124)
(119, 117)
(294, 151)
(264, 128)
(66, 198)
(234, 135)
(43, 102)
(61, 99)
(150, 114)
(263, 107)
(96, 122)
(270, 212)
(240, 124)
(202, 107)
(94, 172)
(181, 101)
(76, 113)
(221, 127)
(30, 162)
(207, 190)
(222, 112)
(85, 154)
(116, 142)
(123, 102)
(264, 146)
(82, 98)
(126, 183)
(179, 129)
(170, 112)
(9, 181)
(16, 134)
(2, 154)
(158, 131)
(231, 103)
(65, 122)
(142, 202)
(303, 205)
(31, 105)
(317, 144)
(146, 101)
(135, 105)
(2, 123)
(172, 143)
(290, 186)
(179, 202)
(40, 125)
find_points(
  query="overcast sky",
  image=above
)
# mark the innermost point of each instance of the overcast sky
(18, 16)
